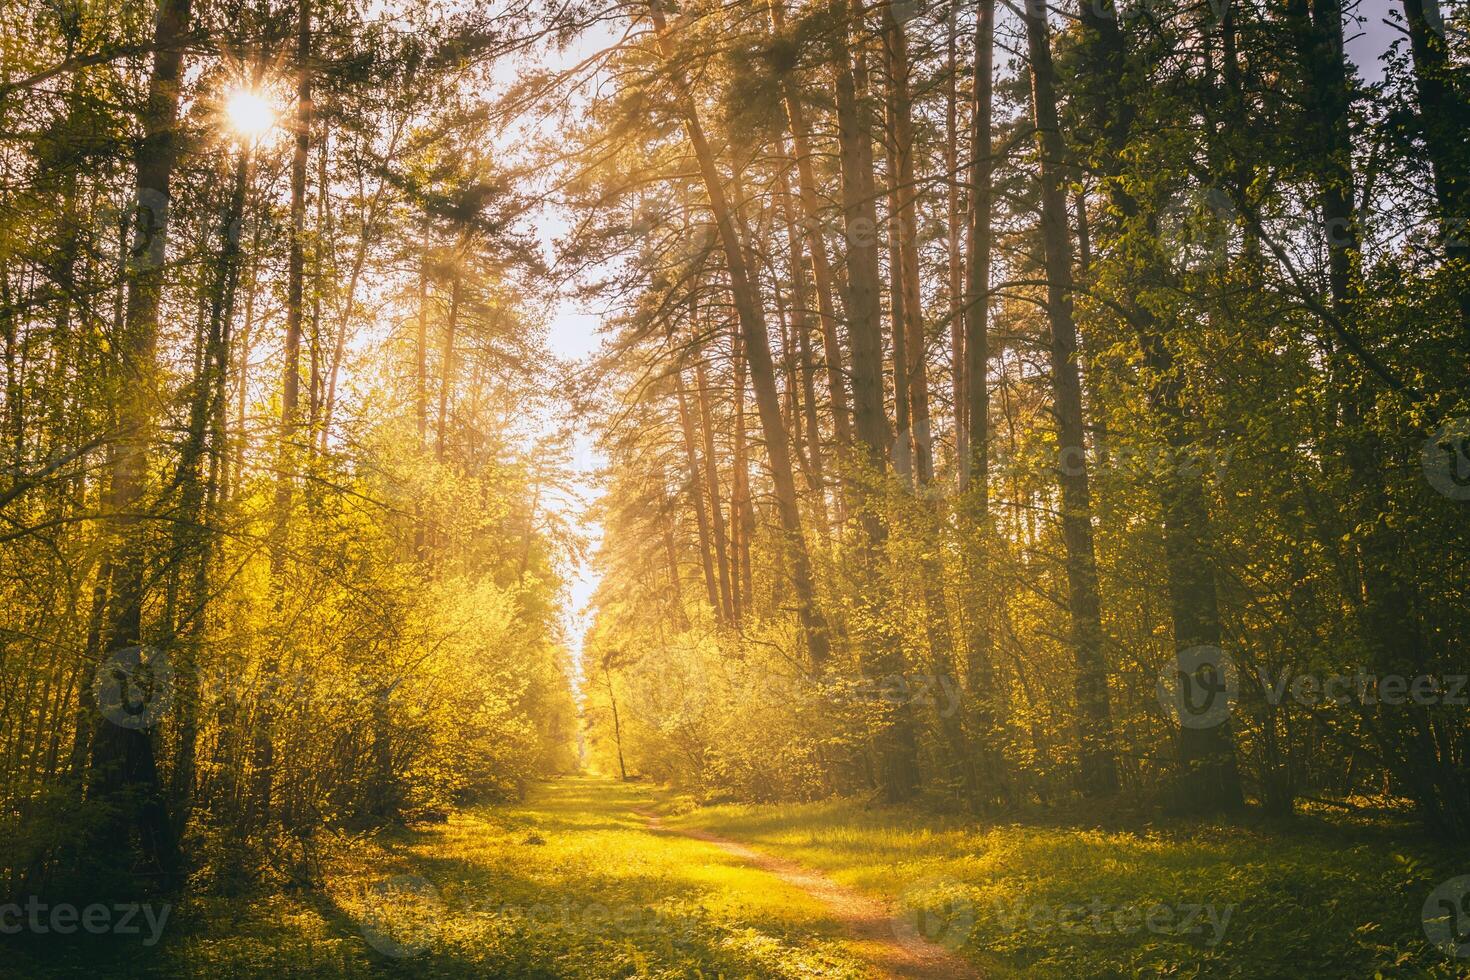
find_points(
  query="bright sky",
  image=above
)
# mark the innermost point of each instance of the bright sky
(572, 335)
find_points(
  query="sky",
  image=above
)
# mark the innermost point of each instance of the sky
(573, 337)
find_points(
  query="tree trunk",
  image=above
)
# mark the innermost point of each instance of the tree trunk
(742, 516)
(897, 744)
(696, 500)
(1387, 601)
(1209, 776)
(821, 266)
(446, 363)
(1098, 763)
(905, 196)
(1444, 124)
(953, 253)
(974, 465)
(123, 773)
(263, 751)
(722, 541)
(801, 330)
(762, 370)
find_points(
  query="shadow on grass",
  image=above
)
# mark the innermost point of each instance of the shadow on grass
(569, 883)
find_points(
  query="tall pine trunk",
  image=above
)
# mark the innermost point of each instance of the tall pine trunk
(123, 770)
(762, 370)
(1098, 766)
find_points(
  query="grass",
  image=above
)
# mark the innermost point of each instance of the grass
(573, 884)
(1313, 897)
(570, 884)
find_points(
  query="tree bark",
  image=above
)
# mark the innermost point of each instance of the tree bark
(446, 363)
(1209, 776)
(821, 267)
(696, 500)
(1098, 766)
(762, 370)
(123, 772)
(897, 744)
(1444, 124)
(722, 541)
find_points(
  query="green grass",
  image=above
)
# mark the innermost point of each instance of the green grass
(573, 884)
(570, 884)
(1314, 897)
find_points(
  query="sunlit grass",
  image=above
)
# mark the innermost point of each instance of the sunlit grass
(1325, 899)
(571, 884)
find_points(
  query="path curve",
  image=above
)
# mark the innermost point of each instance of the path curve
(899, 953)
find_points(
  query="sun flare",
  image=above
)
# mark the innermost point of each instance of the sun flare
(250, 113)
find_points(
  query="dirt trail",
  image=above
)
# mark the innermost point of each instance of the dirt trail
(884, 939)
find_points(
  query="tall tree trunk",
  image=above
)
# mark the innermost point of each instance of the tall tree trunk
(1097, 755)
(1209, 776)
(296, 256)
(897, 744)
(263, 751)
(801, 330)
(822, 273)
(953, 252)
(192, 537)
(123, 770)
(860, 219)
(420, 386)
(1444, 124)
(902, 450)
(696, 499)
(671, 554)
(762, 370)
(905, 196)
(315, 392)
(617, 725)
(722, 541)
(1387, 599)
(742, 516)
(974, 465)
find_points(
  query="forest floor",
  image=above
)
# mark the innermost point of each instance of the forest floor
(595, 878)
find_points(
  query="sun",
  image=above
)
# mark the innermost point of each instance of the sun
(250, 113)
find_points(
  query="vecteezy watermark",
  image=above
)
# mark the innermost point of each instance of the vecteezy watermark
(64, 919)
(937, 691)
(134, 686)
(1199, 687)
(402, 916)
(1446, 459)
(1196, 225)
(297, 688)
(1096, 917)
(1446, 917)
(934, 910)
(1202, 686)
(137, 224)
(1147, 462)
(1311, 690)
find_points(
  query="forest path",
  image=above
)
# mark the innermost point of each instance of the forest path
(879, 933)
